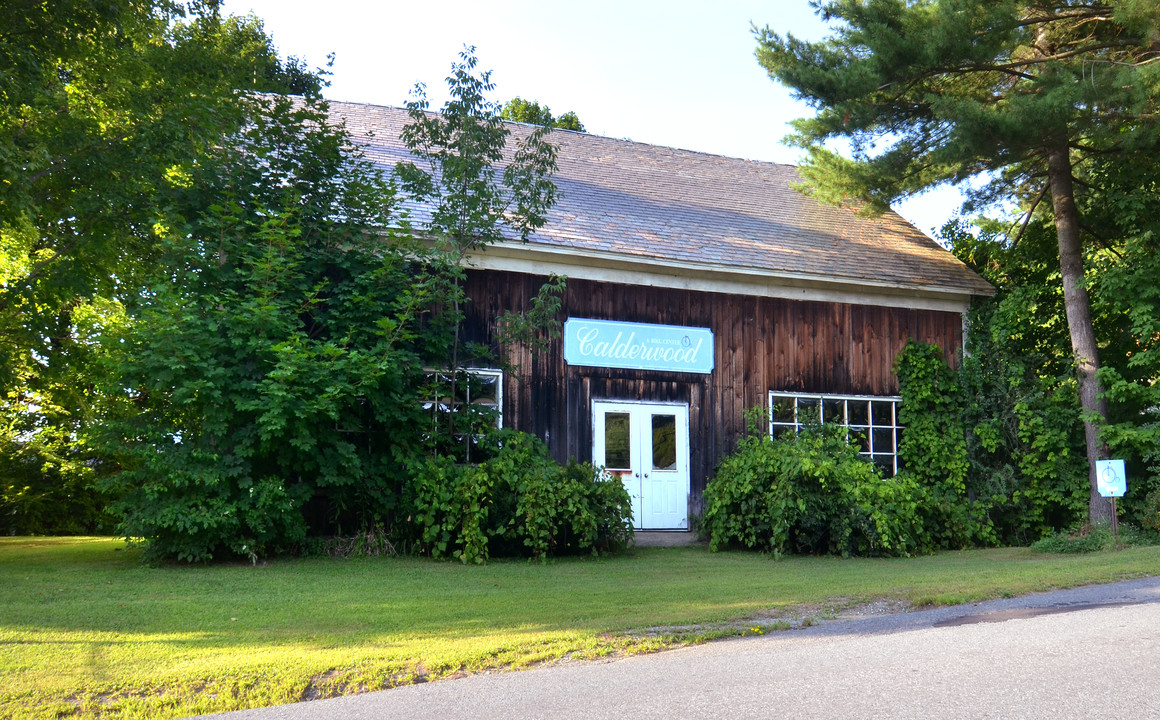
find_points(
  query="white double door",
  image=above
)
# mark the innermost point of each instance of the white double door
(646, 445)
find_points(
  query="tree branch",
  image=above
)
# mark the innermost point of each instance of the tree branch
(1027, 216)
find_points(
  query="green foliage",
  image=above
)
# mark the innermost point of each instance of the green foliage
(99, 103)
(933, 449)
(272, 384)
(46, 488)
(1127, 290)
(272, 369)
(1027, 444)
(999, 450)
(516, 502)
(460, 151)
(49, 467)
(539, 324)
(1148, 514)
(998, 445)
(746, 503)
(1026, 439)
(474, 188)
(1024, 96)
(1089, 539)
(929, 92)
(809, 493)
(1086, 540)
(532, 113)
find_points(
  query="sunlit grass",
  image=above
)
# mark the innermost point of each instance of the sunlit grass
(87, 631)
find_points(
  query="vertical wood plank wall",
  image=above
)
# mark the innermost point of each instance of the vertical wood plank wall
(760, 344)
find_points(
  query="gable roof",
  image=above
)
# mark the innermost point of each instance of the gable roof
(692, 219)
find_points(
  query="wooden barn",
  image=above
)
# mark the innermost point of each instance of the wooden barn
(699, 286)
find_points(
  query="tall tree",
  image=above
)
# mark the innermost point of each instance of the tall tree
(267, 383)
(475, 189)
(1022, 94)
(98, 100)
(102, 102)
(531, 112)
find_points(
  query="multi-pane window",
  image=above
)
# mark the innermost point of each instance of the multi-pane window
(463, 406)
(872, 421)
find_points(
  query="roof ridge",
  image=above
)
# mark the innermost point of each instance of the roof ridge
(593, 136)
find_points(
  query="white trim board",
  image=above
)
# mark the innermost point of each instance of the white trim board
(622, 269)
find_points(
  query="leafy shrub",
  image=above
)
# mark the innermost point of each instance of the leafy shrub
(993, 445)
(809, 493)
(933, 449)
(268, 385)
(518, 501)
(372, 541)
(1149, 512)
(1094, 539)
(1028, 466)
(43, 493)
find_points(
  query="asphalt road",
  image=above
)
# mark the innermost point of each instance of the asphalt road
(1089, 652)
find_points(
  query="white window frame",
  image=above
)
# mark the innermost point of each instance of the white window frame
(886, 458)
(430, 403)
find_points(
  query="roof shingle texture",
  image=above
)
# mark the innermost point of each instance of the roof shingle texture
(663, 204)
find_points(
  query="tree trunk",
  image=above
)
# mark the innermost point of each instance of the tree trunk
(1079, 321)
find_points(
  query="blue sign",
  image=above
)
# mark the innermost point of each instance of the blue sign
(1111, 480)
(637, 346)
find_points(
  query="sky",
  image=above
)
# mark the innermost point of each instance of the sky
(678, 73)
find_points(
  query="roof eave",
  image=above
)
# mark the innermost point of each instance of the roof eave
(541, 259)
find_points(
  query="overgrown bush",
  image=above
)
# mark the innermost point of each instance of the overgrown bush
(517, 502)
(809, 493)
(1148, 514)
(997, 447)
(1029, 463)
(267, 388)
(373, 541)
(933, 448)
(1094, 539)
(1025, 439)
(47, 488)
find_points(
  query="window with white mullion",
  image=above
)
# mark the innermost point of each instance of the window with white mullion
(872, 421)
(462, 407)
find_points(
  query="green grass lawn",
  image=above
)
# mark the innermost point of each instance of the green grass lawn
(87, 631)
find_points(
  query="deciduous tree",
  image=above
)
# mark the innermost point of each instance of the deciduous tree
(474, 187)
(100, 103)
(269, 380)
(531, 112)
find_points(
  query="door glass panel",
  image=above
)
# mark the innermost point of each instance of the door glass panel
(616, 439)
(664, 442)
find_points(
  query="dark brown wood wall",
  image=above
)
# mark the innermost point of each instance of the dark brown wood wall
(760, 344)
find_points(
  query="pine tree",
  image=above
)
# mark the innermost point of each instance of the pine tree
(1019, 94)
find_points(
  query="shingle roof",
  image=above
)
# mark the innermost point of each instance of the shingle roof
(645, 201)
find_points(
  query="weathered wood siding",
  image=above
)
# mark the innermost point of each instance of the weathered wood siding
(760, 344)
